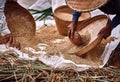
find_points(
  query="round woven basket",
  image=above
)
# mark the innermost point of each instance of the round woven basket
(63, 17)
(19, 20)
(89, 33)
(85, 5)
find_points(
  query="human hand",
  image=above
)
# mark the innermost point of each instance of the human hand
(72, 28)
(2, 40)
(11, 41)
(76, 40)
(106, 31)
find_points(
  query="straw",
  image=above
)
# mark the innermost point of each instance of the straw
(36, 71)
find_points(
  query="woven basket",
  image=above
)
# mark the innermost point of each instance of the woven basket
(90, 30)
(19, 20)
(63, 17)
(85, 5)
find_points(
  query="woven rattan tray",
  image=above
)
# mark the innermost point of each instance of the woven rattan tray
(85, 5)
(63, 17)
(89, 32)
(19, 20)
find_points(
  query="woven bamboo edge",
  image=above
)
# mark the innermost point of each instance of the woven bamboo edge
(96, 41)
(85, 10)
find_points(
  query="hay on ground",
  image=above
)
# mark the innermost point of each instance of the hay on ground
(14, 69)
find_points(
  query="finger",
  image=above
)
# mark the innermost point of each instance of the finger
(69, 33)
(72, 34)
(10, 41)
(19, 46)
(14, 42)
(7, 38)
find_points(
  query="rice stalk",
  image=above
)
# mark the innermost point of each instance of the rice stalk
(19, 70)
(42, 14)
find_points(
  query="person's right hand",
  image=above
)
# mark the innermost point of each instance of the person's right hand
(11, 41)
(72, 28)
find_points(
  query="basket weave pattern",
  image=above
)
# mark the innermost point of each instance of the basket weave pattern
(19, 20)
(63, 17)
(90, 29)
(85, 5)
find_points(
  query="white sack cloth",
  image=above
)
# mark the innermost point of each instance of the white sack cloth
(57, 3)
(26, 3)
(41, 5)
(3, 25)
(60, 62)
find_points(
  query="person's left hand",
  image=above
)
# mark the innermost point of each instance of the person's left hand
(11, 41)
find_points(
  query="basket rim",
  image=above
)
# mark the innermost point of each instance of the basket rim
(87, 9)
(88, 47)
(66, 6)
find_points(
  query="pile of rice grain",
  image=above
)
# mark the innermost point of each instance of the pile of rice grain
(49, 35)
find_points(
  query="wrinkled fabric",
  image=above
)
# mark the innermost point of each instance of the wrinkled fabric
(26, 3)
(3, 25)
(60, 62)
(57, 3)
(41, 5)
(44, 4)
(2, 5)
